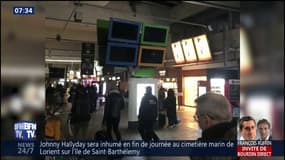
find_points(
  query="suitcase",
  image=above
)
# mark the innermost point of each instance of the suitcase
(161, 120)
(52, 128)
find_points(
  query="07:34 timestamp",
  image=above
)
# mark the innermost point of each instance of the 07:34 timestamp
(23, 10)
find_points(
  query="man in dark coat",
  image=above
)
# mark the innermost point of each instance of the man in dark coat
(264, 130)
(147, 115)
(80, 113)
(214, 117)
(92, 92)
(112, 112)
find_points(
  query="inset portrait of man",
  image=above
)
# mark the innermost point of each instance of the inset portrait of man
(263, 126)
(247, 127)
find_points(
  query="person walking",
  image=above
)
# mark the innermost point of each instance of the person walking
(170, 105)
(147, 115)
(80, 113)
(112, 112)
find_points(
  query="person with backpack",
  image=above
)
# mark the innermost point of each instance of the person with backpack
(147, 115)
(80, 113)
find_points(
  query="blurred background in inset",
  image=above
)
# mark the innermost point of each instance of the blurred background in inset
(262, 63)
(22, 68)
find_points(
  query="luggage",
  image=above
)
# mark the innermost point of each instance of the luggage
(52, 128)
(161, 120)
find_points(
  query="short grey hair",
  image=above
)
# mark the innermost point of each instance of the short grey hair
(216, 106)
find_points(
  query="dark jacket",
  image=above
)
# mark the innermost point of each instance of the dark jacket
(92, 92)
(148, 108)
(50, 100)
(269, 139)
(72, 94)
(114, 104)
(161, 94)
(80, 111)
(170, 105)
(221, 131)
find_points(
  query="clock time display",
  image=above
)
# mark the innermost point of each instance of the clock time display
(23, 10)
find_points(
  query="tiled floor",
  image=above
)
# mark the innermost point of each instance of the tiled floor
(186, 130)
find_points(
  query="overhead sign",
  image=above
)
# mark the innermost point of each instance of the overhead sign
(87, 58)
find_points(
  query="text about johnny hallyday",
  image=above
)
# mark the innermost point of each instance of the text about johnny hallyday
(103, 148)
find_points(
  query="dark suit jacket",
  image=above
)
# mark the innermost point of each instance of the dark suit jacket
(269, 139)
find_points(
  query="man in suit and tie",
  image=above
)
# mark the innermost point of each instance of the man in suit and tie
(264, 129)
(247, 128)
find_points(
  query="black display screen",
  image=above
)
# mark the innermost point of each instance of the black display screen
(124, 31)
(152, 34)
(152, 56)
(122, 54)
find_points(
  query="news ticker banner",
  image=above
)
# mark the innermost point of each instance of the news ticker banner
(142, 148)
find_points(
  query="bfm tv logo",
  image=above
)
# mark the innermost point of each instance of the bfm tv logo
(25, 130)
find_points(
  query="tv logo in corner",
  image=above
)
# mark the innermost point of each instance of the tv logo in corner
(25, 130)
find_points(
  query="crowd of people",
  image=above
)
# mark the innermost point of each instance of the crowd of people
(83, 100)
(213, 113)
